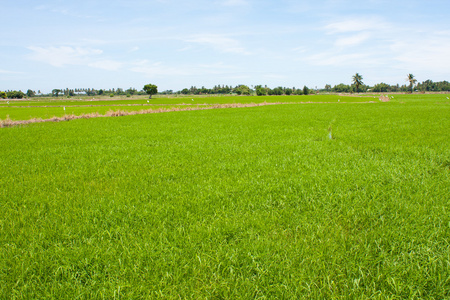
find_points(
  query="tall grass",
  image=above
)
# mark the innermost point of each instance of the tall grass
(233, 204)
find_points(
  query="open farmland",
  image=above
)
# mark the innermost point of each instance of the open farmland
(318, 200)
(48, 108)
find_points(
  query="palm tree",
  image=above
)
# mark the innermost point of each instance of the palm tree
(411, 80)
(357, 80)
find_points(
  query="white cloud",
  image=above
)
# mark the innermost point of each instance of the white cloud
(185, 49)
(61, 56)
(64, 56)
(217, 68)
(158, 69)
(297, 7)
(352, 40)
(413, 49)
(274, 76)
(235, 3)
(430, 53)
(333, 59)
(108, 65)
(219, 42)
(65, 11)
(301, 49)
(9, 72)
(356, 25)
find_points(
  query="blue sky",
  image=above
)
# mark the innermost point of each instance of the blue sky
(175, 44)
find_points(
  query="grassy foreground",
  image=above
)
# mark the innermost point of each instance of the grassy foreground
(278, 202)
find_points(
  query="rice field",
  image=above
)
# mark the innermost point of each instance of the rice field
(332, 200)
(48, 108)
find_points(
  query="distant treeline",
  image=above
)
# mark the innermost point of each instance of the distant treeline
(243, 90)
(425, 86)
(70, 93)
(94, 92)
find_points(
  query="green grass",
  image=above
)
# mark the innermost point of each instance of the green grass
(46, 109)
(235, 203)
(209, 99)
(73, 102)
(19, 113)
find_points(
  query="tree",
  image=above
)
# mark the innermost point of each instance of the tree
(327, 87)
(298, 91)
(2, 95)
(341, 88)
(278, 91)
(131, 91)
(305, 90)
(56, 92)
(412, 81)
(381, 87)
(15, 95)
(242, 90)
(150, 89)
(30, 93)
(429, 85)
(260, 91)
(357, 80)
(91, 92)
